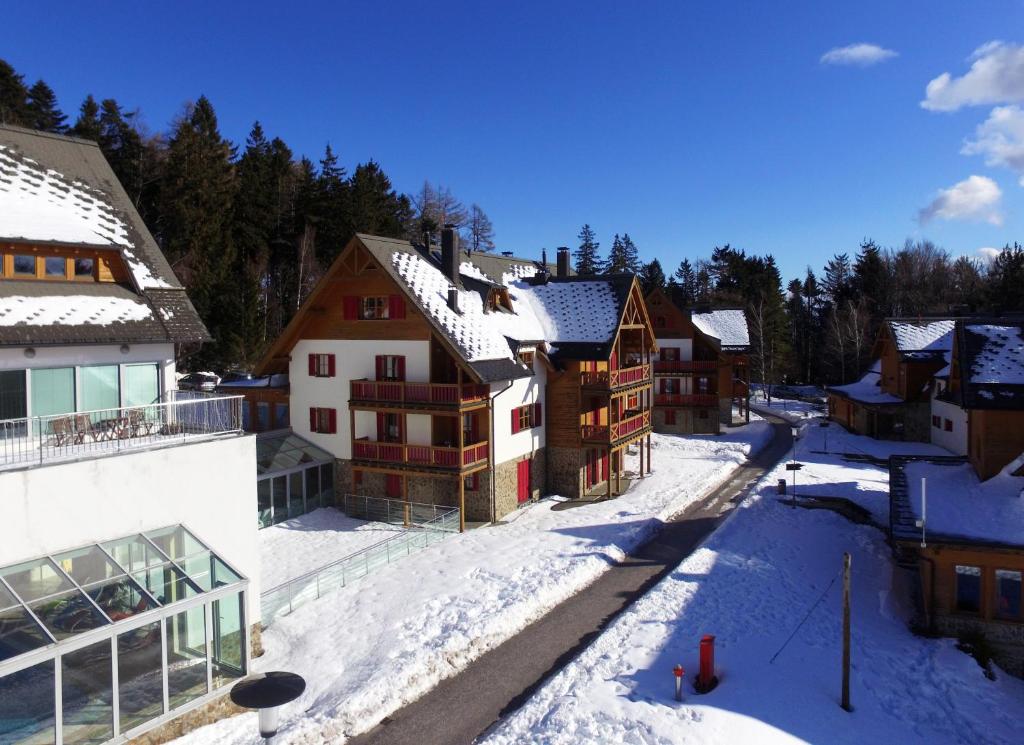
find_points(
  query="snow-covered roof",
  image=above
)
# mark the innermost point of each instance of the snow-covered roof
(959, 505)
(571, 312)
(70, 310)
(868, 389)
(1000, 358)
(929, 336)
(728, 325)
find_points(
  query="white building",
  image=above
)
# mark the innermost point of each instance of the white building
(128, 558)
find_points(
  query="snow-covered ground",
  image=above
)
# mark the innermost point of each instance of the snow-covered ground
(790, 409)
(302, 544)
(750, 585)
(369, 648)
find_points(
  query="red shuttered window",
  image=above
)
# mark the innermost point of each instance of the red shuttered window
(321, 366)
(526, 417)
(323, 420)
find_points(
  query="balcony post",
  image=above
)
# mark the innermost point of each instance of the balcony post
(608, 486)
(648, 453)
(641, 458)
(462, 502)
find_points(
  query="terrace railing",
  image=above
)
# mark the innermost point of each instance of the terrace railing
(662, 367)
(41, 439)
(416, 394)
(427, 525)
(686, 399)
(612, 379)
(420, 455)
(609, 433)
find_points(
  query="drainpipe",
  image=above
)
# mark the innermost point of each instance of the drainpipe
(494, 465)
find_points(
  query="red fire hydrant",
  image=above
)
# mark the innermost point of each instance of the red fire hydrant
(678, 672)
(706, 680)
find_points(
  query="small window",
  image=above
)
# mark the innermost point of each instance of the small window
(393, 367)
(936, 421)
(670, 354)
(968, 589)
(471, 482)
(55, 266)
(24, 265)
(323, 420)
(84, 268)
(280, 415)
(526, 358)
(948, 425)
(321, 365)
(374, 308)
(1008, 584)
(671, 385)
(525, 417)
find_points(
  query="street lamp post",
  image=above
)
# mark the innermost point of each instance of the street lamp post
(793, 465)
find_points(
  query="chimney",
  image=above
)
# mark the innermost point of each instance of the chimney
(453, 299)
(450, 254)
(563, 261)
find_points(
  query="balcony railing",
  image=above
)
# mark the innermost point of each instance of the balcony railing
(417, 394)
(42, 439)
(608, 433)
(611, 379)
(684, 366)
(431, 456)
(686, 399)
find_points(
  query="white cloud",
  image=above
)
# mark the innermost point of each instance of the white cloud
(996, 76)
(1000, 138)
(861, 55)
(974, 198)
(989, 254)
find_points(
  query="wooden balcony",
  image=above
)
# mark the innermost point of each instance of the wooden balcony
(611, 380)
(616, 432)
(684, 367)
(384, 394)
(421, 457)
(686, 399)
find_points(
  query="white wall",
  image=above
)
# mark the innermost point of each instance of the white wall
(354, 360)
(210, 487)
(13, 358)
(685, 346)
(955, 441)
(523, 391)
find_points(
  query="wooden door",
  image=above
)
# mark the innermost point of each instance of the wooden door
(523, 480)
(393, 485)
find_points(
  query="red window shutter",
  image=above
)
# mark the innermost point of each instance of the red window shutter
(515, 420)
(312, 419)
(380, 366)
(312, 365)
(614, 362)
(350, 307)
(382, 427)
(332, 421)
(538, 418)
(330, 365)
(396, 306)
(400, 367)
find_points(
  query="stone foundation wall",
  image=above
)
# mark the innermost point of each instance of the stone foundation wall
(478, 501)
(342, 479)
(506, 482)
(564, 472)
(725, 411)
(208, 713)
(1005, 639)
(688, 422)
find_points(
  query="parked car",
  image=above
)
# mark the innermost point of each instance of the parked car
(234, 376)
(198, 381)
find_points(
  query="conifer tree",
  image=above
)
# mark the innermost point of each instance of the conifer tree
(87, 125)
(13, 97)
(617, 262)
(43, 112)
(122, 146)
(631, 254)
(1007, 280)
(588, 260)
(686, 281)
(652, 276)
(376, 207)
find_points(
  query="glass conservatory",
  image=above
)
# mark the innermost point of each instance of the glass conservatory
(293, 477)
(105, 641)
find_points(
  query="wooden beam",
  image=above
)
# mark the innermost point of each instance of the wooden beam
(648, 454)
(608, 486)
(462, 504)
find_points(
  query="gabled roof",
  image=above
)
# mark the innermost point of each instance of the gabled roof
(728, 325)
(57, 190)
(990, 357)
(922, 339)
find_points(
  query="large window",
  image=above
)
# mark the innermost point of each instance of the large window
(968, 589)
(1008, 586)
(139, 676)
(27, 705)
(88, 694)
(296, 504)
(228, 640)
(141, 385)
(186, 656)
(53, 391)
(13, 403)
(263, 503)
(99, 387)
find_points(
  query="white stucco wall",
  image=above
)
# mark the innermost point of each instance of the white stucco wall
(685, 346)
(523, 391)
(13, 358)
(955, 441)
(210, 487)
(354, 360)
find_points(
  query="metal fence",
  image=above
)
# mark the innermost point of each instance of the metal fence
(39, 439)
(425, 525)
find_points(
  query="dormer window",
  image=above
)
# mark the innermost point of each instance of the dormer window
(24, 266)
(68, 264)
(55, 267)
(84, 268)
(526, 358)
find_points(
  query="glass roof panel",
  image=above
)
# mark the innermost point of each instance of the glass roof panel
(119, 598)
(87, 565)
(7, 600)
(36, 579)
(208, 571)
(68, 614)
(176, 542)
(134, 553)
(166, 583)
(19, 633)
(282, 451)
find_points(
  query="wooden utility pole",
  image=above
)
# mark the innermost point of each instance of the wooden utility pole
(846, 633)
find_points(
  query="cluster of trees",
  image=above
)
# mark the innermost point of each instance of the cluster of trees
(248, 230)
(821, 331)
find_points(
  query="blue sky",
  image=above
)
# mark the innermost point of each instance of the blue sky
(687, 125)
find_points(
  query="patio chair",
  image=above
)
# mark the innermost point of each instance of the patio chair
(138, 424)
(64, 431)
(83, 427)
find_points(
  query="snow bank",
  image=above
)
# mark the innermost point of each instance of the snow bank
(369, 648)
(750, 585)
